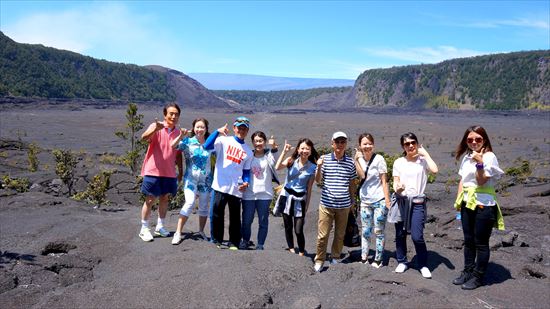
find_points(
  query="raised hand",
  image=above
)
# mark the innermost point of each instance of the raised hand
(271, 142)
(422, 151)
(478, 156)
(320, 162)
(183, 132)
(158, 125)
(358, 154)
(223, 130)
(287, 147)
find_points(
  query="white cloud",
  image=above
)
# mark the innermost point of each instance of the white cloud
(103, 30)
(517, 22)
(423, 54)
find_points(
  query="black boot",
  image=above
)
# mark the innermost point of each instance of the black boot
(465, 275)
(474, 282)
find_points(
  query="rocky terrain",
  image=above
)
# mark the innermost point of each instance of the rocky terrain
(56, 252)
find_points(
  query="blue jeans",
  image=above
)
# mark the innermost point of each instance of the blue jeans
(262, 208)
(417, 235)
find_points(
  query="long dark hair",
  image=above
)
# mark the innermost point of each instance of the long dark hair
(203, 120)
(173, 104)
(313, 156)
(408, 135)
(463, 146)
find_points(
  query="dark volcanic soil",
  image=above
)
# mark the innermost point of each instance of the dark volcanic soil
(56, 252)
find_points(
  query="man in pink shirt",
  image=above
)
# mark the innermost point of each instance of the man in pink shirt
(159, 169)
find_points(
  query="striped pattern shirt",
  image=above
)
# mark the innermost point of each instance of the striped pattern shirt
(337, 175)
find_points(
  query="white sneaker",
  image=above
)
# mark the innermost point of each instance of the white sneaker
(376, 264)
(162, 232)
(203, 236)
(401, 268)
(333, 261)
(145, 234)
(177, 239)
(318, 267)
(426, 272)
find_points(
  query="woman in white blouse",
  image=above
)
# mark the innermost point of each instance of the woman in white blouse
(477, 203)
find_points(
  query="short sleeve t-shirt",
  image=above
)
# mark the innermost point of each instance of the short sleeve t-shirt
(160, 159)
(337, 175)
(412, 174)
(232, 157)
(372, 190)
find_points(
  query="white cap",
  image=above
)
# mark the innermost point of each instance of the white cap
(338, 135)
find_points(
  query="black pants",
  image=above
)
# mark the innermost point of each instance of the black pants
(218, 213)
(293, 222)
(477, 226)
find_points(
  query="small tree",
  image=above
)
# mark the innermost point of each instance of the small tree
(137, 146)
(65, 163)
(33, 159)
(96, 192)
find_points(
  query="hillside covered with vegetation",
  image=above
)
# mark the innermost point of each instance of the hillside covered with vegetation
(37, 71)
(276, 98)
(500, 81)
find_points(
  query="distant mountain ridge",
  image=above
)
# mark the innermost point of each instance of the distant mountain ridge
(508, 81)
(33, 70)
(229, 81)
(500, 81)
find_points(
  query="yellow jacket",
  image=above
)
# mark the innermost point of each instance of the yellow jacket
(471, 203)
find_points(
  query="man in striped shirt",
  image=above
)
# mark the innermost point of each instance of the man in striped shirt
(334, 172)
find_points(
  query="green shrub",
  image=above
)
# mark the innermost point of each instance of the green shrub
(65, 164)
(33, 159)
(95, 194)
(18, 184)
(521, 171)
(137, 145)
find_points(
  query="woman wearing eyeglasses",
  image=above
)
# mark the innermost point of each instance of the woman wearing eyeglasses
(410, 175)
(477, 203)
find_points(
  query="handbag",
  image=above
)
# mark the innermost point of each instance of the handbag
(352, 238)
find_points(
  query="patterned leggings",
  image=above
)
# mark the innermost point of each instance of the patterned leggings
(373, 214)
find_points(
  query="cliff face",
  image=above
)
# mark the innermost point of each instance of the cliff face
(502, 81)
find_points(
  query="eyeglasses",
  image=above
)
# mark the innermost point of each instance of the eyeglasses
(407, 144)
(343, 141)
(242, 120)
(477, 140)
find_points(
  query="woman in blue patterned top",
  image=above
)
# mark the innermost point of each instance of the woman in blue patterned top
(198, 175)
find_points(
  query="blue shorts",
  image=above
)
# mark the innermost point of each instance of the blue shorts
(157, 186)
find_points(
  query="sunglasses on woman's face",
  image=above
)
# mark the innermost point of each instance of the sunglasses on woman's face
(477, 140)
(407, 144)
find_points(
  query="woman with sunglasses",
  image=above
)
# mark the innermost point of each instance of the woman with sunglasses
(477, 203)
(410, 175)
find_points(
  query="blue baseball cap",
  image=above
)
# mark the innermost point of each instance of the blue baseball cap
(242, 121)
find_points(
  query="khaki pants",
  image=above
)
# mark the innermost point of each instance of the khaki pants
(326, 217)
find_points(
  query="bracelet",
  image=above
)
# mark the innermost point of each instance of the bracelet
(479, 166)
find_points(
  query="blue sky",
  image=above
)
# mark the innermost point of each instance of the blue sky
(320, 39)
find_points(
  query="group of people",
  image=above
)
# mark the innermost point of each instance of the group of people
(242, 178)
